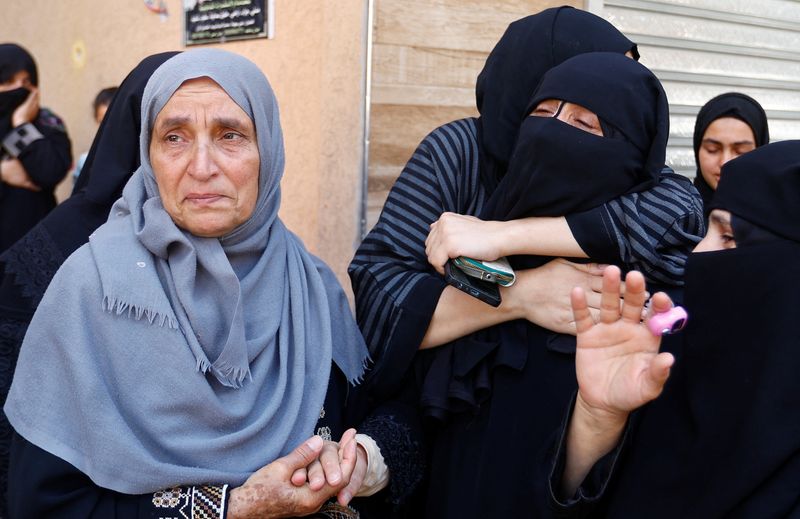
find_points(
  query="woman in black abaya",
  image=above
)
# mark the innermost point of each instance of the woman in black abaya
(724, 438)
(28, 266)
(35, 150)
(598, 130)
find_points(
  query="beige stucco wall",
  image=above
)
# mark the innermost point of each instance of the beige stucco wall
(315, 64)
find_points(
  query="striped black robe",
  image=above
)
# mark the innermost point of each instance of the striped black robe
(396, 289)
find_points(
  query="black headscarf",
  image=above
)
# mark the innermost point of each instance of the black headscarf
(13, 59)
(530, 47)
(731, 104)
(724, 438)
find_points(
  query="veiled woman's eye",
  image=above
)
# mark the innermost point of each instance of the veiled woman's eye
(546, 108)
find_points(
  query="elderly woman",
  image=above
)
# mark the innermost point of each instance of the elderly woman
(184, 356)
(724, 438)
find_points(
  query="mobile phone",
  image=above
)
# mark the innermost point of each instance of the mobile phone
(498, 271)
(487, 292)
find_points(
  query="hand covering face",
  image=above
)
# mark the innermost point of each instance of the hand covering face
(13, 59)
(193, 359)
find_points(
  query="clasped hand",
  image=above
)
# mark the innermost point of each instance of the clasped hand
(301, 482)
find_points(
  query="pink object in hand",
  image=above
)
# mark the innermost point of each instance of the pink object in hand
(668, 322)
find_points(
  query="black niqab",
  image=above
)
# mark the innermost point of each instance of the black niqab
(556, 169)
(13, 59)
(724, 438)
(731, 104)
(763, 187)
(530, 47)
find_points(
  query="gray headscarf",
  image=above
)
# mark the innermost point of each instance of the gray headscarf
(254, 317)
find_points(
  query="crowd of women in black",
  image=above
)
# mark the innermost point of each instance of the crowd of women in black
(188, 356)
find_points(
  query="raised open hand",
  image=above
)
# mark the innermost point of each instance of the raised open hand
(617, 362)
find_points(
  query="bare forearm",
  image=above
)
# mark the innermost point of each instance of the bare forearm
(544, 236)
(589, 438)
(459, 314)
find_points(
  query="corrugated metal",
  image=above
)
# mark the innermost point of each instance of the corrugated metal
(701, 48)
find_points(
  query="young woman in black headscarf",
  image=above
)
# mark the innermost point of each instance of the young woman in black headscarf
(403, 303)
(724, 438)
(727, 126)
(35, 152)
(598, 129)
(28, 266)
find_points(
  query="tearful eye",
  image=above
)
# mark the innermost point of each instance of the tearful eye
(172, 138)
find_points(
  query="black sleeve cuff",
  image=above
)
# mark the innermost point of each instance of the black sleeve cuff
(397, 433)
(592, 491)
(594, 233)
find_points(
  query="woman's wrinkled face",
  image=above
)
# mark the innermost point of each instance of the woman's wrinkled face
(570, 113)
(720, 233)
(725, 138)
(204, 154)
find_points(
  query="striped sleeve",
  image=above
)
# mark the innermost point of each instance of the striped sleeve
(396, 290)
(657, 229)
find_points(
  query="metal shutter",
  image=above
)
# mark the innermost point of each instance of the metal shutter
(701, 48)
